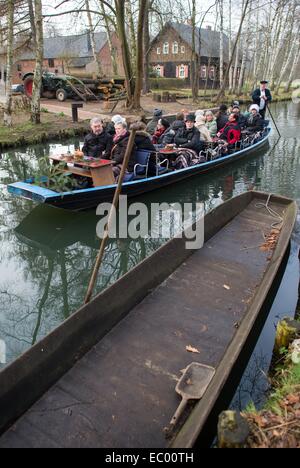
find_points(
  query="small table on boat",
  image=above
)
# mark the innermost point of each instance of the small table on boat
(100, 170)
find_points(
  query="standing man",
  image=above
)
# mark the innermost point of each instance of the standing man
(262, 96)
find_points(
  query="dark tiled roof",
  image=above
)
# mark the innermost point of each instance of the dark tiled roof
(210, 39)
(77, 46)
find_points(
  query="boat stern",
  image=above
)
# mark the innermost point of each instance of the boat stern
(30, 192)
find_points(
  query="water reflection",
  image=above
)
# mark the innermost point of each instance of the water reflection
(47, 254)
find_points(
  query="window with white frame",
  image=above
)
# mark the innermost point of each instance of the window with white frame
(158, 50)
(182, 71)
(166, 48)
(203, 71)
(175, 48)
(212, 73)
(159, 69)
(182, 49)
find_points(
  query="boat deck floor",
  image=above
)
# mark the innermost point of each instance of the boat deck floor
(122, 393)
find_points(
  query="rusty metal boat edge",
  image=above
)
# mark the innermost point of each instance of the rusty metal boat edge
(33, 373)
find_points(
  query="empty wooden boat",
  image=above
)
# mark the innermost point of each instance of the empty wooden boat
(107, 376)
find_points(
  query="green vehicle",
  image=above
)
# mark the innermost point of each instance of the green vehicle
(62, 87)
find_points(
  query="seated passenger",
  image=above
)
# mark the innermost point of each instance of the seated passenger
(242, 120)
(118, 151)
(168, 137)
(221, 117)
(189, 137)
(98, 143)
(201, 125)
(162, 126)
(231, 133)
(142, 138)
(151, 126)
(211, 123)
(110, 127)
(255, 121)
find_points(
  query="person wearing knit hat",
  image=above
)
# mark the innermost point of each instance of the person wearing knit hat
(254, 106)
(151, 126)
(115, 120)
(262, 96)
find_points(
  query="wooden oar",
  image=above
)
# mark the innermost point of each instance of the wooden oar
(273, 119)
(110, 217)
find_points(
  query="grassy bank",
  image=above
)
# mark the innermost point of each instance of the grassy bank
(52, 127)
(277, 425)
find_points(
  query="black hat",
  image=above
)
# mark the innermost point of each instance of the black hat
(157, 112)
(264, 82)
(190, 118)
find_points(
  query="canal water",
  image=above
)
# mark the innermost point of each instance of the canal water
(47, 254)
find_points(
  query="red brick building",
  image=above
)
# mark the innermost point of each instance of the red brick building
(171, 52)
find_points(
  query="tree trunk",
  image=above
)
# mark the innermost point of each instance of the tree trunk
(222, 44)
(109, 41)
(140, 56)
(222, 90)
(230, 45)
(9, 63)
(132, 38)
(126, 56)
(284, 70)
(31, 18)
(194, 57)
(39, 53)
(92, 38)
(294, 66)
(146, 82)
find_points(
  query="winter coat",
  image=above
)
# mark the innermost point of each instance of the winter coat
(222, 119)
(256, 96)
(119, 149)
(204, 132)
(189, 138)
(169, 135)
(95, 145)
(231, 133)
(143, 141)
(254, 123)
(212, 128)
(151, 127)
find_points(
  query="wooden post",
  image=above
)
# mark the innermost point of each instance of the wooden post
(110, 218)
(286, 332)
(233, 430)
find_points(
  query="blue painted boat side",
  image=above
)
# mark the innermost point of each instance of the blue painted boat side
(43, 195)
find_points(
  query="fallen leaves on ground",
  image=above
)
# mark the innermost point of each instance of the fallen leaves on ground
(270, 241)
(191, 349)
(272, 430)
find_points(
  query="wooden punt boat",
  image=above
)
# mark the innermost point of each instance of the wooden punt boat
(106, 377)
(91, 197)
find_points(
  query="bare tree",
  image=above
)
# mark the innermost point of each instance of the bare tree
(9, 63)
(92, 38)
(39, 54)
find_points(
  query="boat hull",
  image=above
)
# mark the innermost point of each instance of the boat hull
(210, 299)
(89, 198)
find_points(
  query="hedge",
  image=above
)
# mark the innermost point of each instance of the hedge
(168, 83)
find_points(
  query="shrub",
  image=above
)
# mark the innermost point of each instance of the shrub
(168, 83)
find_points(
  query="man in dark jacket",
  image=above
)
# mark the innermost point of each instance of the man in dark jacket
(242, 120)
(262, 96)
(98, 143)
(189, 137)
(222, 117)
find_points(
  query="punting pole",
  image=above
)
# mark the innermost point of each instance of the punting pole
(273, 120)
(110, 217)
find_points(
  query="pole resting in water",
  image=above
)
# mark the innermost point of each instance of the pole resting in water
(273, 120)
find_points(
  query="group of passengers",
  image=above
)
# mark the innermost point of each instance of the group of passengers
(189, 132)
